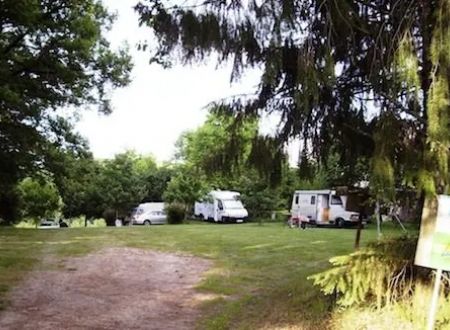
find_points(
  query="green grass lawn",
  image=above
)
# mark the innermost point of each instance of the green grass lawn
(259, 272)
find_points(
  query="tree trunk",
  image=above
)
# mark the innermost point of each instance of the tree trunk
(359, 230)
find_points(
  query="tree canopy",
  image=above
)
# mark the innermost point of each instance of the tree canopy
(53, 54)
(356, 78)
(39, 198)
(95, 187)
(219, 145)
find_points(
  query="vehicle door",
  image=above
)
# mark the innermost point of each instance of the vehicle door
(306, 206)
(210, 209)
(337, 209)
(219, 210)
(139, 216)
(295, 209)
(323, 209)
(158, 217)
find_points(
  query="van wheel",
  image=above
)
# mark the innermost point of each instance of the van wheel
(147, 223)
(340, 223)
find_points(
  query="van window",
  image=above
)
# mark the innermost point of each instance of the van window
(336, 200)
(219, 204)
(313, 200)
(296, 199)
(232, 204)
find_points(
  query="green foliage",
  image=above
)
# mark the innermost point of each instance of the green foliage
(176, 213)
(408, 314)
(382, 179)
(407, 63)
(438, 132)
(186, 187)
(259, 200)
(367, 80)
(89, 187)
(53, 54)
(75, 180)
(26, 223)
(156, 182)
(39, 198)
(258, 197)
(120, 182)
(378, 275)
(221, 144)
(268, 157)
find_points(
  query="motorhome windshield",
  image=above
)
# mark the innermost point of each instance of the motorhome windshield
(232, 204)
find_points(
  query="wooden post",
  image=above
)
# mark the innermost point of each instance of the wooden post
(360, 227)
(434, 300)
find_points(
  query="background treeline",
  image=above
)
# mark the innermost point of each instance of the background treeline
(217, 155)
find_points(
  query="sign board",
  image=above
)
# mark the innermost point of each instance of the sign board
(433, 248)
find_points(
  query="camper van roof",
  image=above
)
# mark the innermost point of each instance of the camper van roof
(224, 194)
(318, 192)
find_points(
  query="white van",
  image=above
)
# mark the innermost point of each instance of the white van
(149, 214)
(221, 206)
(322, 207)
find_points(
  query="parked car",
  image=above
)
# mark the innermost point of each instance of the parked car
(52, 224)
(149, 214)
(48, 224)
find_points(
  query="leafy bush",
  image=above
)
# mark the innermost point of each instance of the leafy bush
(381, 285)
(80, 222)
(176, 213)
(26, 223)
(382, 273)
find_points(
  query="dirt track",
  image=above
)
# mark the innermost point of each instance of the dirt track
(116, 288)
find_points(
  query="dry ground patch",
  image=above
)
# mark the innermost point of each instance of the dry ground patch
(114, 288)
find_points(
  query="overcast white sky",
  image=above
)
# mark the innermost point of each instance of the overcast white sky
(150, 114)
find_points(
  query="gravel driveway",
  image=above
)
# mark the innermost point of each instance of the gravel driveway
(116, 288)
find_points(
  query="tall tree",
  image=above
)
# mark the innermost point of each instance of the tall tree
(221, 145)
(117, 187)
(76, 177)
(356, 77)
(53, 54)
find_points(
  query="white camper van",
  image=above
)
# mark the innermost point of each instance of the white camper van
(149, 214)
(221, 206)
(322, 207)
